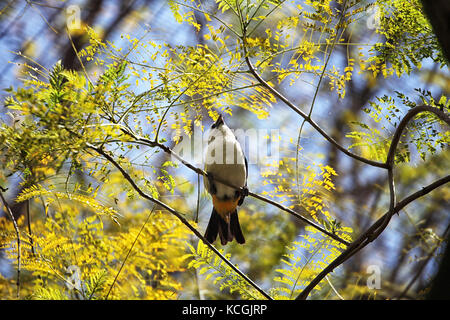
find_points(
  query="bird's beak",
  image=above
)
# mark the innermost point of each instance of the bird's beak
(219, 121)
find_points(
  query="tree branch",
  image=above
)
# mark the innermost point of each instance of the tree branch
(178, 215)
(305, 116)
(199, 171)
(424, 264)
(372, 233)
(377, 228)
(403, 123)
(368, 236)
(391, 155)
(128, 253)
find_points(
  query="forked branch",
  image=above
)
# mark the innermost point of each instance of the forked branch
(377, 228)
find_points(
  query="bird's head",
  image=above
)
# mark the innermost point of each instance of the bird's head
(219, 129)
(219, 122)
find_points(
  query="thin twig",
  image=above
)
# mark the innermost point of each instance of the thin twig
(30, 233)
(198, 199)
(265, 17)
(341, 17)
(300, 217)
(377, 228)
(78, 56)
(405, 120)
(178, 97)
(214, 16)
(30, 3)
(306, 117)
(311, 108)
(128, 253)
(390, 159)
(16, 228)
(334, 289)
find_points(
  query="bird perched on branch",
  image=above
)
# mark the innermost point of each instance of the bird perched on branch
(226, 162)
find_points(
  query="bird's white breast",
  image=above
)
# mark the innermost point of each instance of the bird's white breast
(226, 161)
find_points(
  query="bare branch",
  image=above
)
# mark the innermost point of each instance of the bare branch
(368, 236)
(306, 117)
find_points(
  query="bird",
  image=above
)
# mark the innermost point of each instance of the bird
(225, 161)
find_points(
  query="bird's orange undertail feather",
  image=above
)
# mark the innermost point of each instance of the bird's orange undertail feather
(224, 207)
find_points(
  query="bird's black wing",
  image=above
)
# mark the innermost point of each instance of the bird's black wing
(246, 169)
(243, 195)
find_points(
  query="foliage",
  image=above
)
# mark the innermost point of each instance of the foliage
(315, 189)
(205, 261)
(76, 245)
(409, 37)
(89, 233)
(303, 261)
(423, 134)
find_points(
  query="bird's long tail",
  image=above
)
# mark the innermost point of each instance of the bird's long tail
(227, 230)
(235, 228)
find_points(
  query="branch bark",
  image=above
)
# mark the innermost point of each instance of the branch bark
(403, 123)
